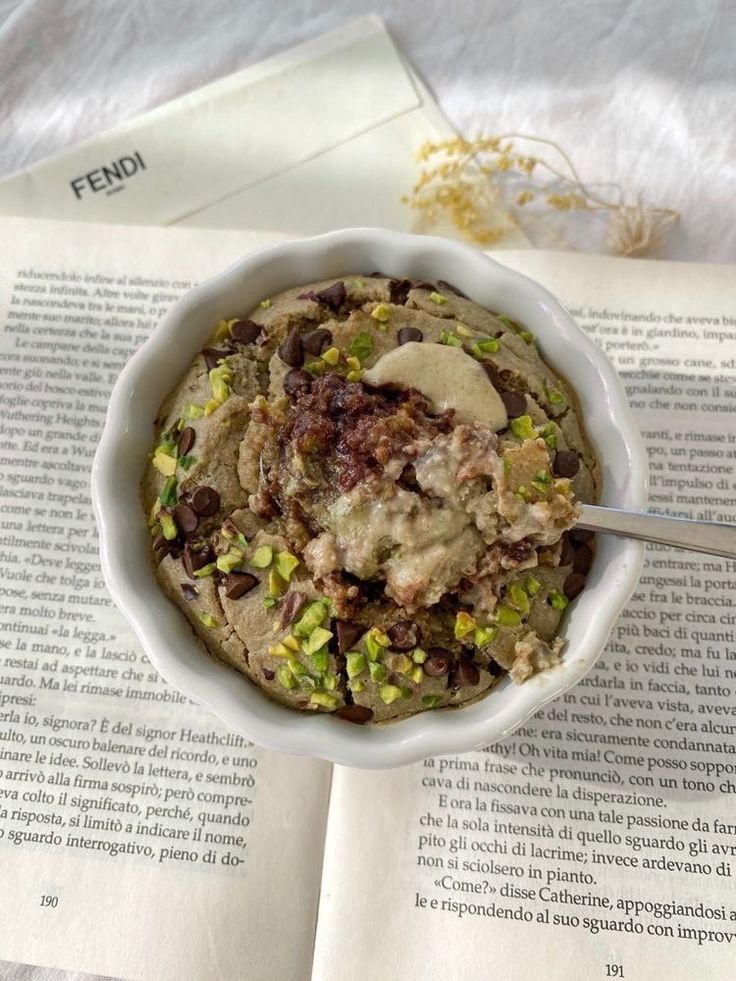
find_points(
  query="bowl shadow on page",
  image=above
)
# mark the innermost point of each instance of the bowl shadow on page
(165, 634)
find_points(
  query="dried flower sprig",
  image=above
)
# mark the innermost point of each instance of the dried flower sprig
(475, 181)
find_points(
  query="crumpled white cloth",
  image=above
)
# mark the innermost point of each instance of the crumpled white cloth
(640, 92)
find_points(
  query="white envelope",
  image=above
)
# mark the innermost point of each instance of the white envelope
(319, 137)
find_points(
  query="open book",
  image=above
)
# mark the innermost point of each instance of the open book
(141, 839)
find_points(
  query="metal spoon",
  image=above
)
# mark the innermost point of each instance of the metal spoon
(698, 536)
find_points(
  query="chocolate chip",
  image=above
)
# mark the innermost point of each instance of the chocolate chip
(268, 674)
(464, 673)
(347, 634)
(291, 606)
(420, 285)
(190, 593)
(355, 713)
(438, 662)
(161, 546)
(196, 558)
(376, 275)
(453, 289)
(205, 501)
(245, 331)
(407, 334)
(517, 552)
(333, 296)
(567, 552)
(307, 295)
(582, 536)
(567, 463)
(495, 669)
(185, 518)
(237, 584)
(212, 356)
(573, 585)
(515, 404)
(404, 635)
(290, 349)
(186, 440)
(297, 381)
(316, 341)
(398, 291)
(583, 560)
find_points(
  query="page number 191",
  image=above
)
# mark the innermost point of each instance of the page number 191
(614, 970)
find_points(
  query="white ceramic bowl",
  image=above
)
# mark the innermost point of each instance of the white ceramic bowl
(164, 632)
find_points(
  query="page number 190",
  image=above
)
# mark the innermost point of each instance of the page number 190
(614, 970)
(53, 902)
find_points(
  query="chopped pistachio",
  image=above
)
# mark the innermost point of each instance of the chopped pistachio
(205, 571)
(355, 663)
(264, 304)
(505, 320)
(402, 664)
(389, 693)
(207, 620)
(315, 367)
(527, 336)
(167, 447)
(329, 681)
(269, 601)
(381, 312)
(532, 585)
(551, 441)
(226, 532)
(378, 672)
(507, 616)
(168, 527)
(464, 623)
(186, 461)
(285, 564)
(193, 411)
(262, 557)
(518, 597)
(557, 600)
(276, 585)
(210, 406)
(320, 661)
(318, 638)
(331, 356)
(359, 284)
(361, 346)
(222, 330)
(376, 641)
(563, 486)
(437, 298)
(220, 378)
(279, 650)
(296, 667)
(447, 337)
(153, 515)
(354, 376)
(284, 677)
(430, 701)
(417, 674)
(522, 428)
(168, 494)
(357, 686)
(325, 699)
(311, 618)
(291, 642)
(165, 464)
(307, 682)
(230, 560)
(484, 635)
(418, 656)
(464, 331)
(554, 395)
(353, 363)
(488, 345)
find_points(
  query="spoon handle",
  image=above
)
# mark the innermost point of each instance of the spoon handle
(698, 536)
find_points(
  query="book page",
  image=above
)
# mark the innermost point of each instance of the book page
(139, 837)
(597, 841)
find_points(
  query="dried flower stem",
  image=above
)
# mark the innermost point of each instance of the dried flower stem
(460, 186)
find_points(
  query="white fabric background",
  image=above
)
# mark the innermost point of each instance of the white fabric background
(638, 91)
